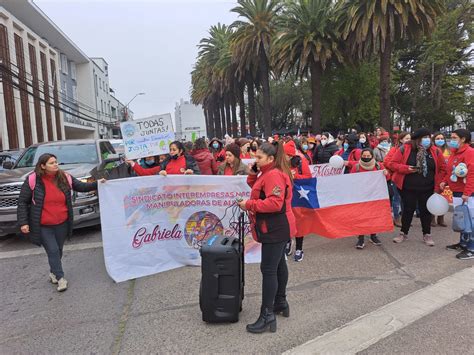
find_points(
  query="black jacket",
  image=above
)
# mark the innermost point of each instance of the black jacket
(30, 214)
(190, 164)
(322, 154)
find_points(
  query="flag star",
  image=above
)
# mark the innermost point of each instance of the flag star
(303, 193)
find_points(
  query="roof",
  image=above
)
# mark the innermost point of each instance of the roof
(72, 141)
(33, 17)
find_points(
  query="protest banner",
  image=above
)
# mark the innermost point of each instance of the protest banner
(316, 170)
(155, 223)
(148, 136)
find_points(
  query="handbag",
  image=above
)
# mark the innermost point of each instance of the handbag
(462, 219)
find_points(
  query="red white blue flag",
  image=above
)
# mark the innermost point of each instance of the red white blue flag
(342, 206)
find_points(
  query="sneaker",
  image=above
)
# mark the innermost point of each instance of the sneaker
(465, 255)
(401, 238)
(53, 278)
(62, 284)
(455, 247)
(360, 243)
(428, 239)
(288, 249)
(299, 255)
(375, 240)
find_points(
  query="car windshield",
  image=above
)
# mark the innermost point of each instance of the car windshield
(119, 148)
(66, 154)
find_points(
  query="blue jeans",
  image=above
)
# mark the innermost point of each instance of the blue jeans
(52, 239)
(396, 202)
(467, 241)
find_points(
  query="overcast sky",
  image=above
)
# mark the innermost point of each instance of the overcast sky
(150, 45)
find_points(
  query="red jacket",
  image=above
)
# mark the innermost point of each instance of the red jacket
(354, 156)
(305, 171)
(270, 205)
(398, 164)
(219, 156)
(174, 167)
(464, 155)
(206, 162)
(388, 158)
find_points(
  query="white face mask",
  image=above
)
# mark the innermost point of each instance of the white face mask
(362, 140)
(324, 142)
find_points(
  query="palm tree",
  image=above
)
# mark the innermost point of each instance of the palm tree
(373, 26)
(251, 45)
(306, 43)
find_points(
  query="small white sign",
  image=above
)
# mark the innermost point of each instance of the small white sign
(147, 136)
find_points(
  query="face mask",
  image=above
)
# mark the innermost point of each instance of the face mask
(439, 142)
(385, 145)
(346, 146)
(215, 145)
(453, 144)
(366, 160)
(253, 148)
(305, 147)
(149, 162)
(311, 146)
(174, 157)
(362, 140)
(324, 142)
(425, 142)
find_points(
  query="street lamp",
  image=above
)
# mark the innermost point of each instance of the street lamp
(126, 106)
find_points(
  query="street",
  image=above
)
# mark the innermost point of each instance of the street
(334, 285)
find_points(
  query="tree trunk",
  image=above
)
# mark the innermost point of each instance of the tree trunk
(234, 115)
(316, 73)
(267, 109)
(210, 123)
(252, 109)
(385, 66)
(217, 120)
(243, 129)
(227, 115)
(222, 112)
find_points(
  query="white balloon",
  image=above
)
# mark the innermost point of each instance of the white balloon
(437, 205)
(336, 162)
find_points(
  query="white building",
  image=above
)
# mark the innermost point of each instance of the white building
(65, 94)
(190, 121)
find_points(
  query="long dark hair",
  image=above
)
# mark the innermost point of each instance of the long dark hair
(179, 145)
(276, 150)
(60, 178)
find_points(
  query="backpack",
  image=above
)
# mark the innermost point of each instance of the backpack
(462, 219)
(32, 184)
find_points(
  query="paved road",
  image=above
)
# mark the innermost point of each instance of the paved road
(334, 285)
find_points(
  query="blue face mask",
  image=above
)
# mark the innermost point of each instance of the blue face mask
(150, 162)
(215, 145)
(439, 142)
(346, 146)
(453, 144)
(425, 142)
(305, 147)
(385, 145)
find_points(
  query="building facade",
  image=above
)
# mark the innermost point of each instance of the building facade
(190, 121)
(68, 92)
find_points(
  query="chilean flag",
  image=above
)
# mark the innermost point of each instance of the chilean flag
(342, 205)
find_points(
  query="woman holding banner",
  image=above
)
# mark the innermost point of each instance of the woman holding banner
(178, 163)
(273, 224)
(233, 165)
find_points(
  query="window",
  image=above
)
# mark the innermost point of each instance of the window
(100, 83)
(74, 93)
(95, 85)
(73, 70)
(106, 149)
(64, 68)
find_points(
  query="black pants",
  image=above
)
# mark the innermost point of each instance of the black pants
(274, 272)
(410, 199)
(52, 239)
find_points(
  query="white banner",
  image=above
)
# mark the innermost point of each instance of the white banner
(316, 170)
(148, 136)
(155, 223)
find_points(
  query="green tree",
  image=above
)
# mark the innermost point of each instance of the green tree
(251, 46)
(306, 43)
(373, 27)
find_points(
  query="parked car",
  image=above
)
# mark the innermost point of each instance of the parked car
(77, 157)
(8, 158)
(118, 145)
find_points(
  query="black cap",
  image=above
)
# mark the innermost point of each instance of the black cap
(420, 132)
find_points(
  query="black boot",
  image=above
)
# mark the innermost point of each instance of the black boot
(281, 306)
(265, 322)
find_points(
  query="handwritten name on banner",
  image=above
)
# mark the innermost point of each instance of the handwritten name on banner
(153, 224)
(316, 170)
(148, 136)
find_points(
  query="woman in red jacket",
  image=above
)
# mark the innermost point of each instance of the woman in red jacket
(273, 224)
(217, 149)
(461, 185)
(299, 170)
(368, 163)
(206, 162)
(178, 163)
(418, 169)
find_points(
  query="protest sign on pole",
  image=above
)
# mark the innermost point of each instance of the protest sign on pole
(148, 136)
